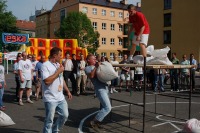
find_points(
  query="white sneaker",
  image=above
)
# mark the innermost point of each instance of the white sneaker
(130, 58)
(111, 91)
(115, 91)
(21, 103)
(29, 101)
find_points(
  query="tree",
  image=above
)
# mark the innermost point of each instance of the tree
(78, 26)
(7, 21)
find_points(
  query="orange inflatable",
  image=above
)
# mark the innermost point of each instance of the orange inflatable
(41, 46)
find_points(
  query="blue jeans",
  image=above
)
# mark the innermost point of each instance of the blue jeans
(1, 94)
(102, 95)
(61, 108)
(159, 79)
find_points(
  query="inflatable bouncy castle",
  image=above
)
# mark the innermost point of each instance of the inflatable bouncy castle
(41, 46)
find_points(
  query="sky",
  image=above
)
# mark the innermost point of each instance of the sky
(22, 9)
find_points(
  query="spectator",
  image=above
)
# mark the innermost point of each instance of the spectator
(185, 73)
(2, 85)
(114, 82)
(68, 74)
(138, 78)
(26, 76)
(174, 74)
(81, 76)
(38, 75)
(125, 76)
(34, 62)
(194, 62)
(159, 79)
(17, 80)
(54, 100)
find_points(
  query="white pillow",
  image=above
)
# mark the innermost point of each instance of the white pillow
(5, 120)
(105, 72)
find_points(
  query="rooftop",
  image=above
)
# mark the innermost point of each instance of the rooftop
(25, 25)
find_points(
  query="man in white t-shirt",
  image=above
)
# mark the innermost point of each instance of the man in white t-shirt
(34, 62)
(52, 87)
(26, 75)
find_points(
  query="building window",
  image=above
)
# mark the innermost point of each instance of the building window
(120, 27)
(112, 13)
(127, 15)
(103, 54)
(120, 41)
(84, 10)
(112, 27)
(103, 12)
(62, 15)
(103, 26)
(112, 41)
(167, 37)
(94, 25)
(167, 20)
(94, 11)
(112, 55)
(167, 4)
(120, 15)
(103, 40)
(120, 55)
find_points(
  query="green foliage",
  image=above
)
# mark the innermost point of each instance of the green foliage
(7, 21)
(78, 26)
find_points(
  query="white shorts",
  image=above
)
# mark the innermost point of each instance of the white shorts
(125, 77)
(144, 39)
(26, 84)
(132, 74)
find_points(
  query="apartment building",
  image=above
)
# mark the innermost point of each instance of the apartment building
(106, 16)
(174, 23)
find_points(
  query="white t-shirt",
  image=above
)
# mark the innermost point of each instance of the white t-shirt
(34, 65)
(2, 77)
(68, 65)
(51, 92)
(26, 68)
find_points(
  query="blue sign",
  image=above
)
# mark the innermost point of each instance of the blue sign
(15, 38)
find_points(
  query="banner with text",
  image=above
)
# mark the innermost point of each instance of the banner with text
(15, 38)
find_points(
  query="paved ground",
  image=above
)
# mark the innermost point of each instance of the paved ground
(29, 118)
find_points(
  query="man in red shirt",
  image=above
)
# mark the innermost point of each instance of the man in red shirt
(141, 29)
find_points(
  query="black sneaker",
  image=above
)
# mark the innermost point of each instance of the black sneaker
(94, 126)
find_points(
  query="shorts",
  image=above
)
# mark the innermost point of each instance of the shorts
(132, 74)
(26, 84)
(125, 77)
(144, 39)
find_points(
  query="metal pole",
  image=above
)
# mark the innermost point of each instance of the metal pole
(190, 92)
(144, 95)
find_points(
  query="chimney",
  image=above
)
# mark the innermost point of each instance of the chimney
(138, 4)
(125, 2)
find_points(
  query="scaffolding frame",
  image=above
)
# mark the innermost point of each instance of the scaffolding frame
(145, 66)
